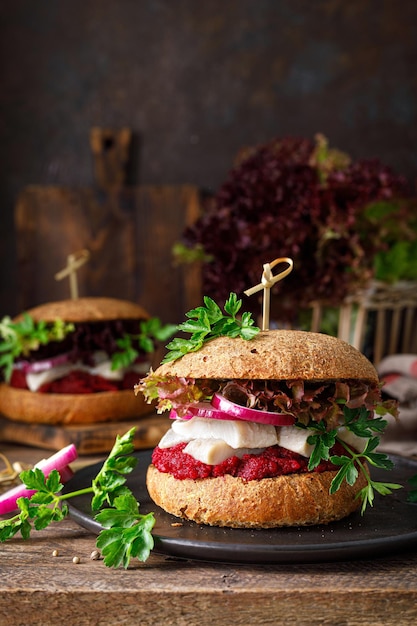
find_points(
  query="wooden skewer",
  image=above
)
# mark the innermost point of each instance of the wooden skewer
(74, 262)
(267, 281)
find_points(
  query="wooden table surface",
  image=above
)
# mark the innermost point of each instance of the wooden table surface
(37, 588)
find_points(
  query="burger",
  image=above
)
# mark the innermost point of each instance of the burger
(273, 431)
(75, 361)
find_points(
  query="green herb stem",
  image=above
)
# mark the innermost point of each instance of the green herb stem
(208, 322)
(126, 533)
(349, 472)
(74, 494)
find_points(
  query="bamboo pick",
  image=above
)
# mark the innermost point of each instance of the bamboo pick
(268, 280)
(74, 262)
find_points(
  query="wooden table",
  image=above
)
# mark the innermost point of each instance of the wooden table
(37, 588)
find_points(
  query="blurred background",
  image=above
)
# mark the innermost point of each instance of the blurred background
(121, 121)
(195, 82)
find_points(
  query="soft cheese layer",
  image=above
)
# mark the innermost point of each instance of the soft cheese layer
(212, 441)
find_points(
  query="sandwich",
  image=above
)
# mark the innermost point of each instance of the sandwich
(269, 428)
(76, 361)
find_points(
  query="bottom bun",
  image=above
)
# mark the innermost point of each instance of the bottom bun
(290, 500)
(21, 405)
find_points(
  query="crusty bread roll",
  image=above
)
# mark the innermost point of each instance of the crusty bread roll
(87, 310)
(22, 405)
(274, 355)
(290, 500)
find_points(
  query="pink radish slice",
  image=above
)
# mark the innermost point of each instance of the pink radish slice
(58, 461)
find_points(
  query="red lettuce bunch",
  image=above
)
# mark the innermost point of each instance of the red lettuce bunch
(295, 198)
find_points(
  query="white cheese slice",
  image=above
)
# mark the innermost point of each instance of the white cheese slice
(236, 433)
(37, 379)
(171, 438)
(102, 367)
(213, 441)
(214, 451)
(295, 439)
(104, 370)
(359, 443)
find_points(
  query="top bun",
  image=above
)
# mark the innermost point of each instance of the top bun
(87, 310)
(274, 355)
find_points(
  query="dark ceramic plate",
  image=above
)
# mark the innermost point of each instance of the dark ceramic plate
(389, 527)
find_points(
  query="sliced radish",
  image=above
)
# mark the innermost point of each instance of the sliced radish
(59, 461)
(236, 411)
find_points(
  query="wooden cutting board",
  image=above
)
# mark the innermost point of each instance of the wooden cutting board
(129, 232)
(88, 439)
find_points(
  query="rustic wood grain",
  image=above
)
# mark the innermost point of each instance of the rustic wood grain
(88, 439)
(111, 151)
(129, 233)
(39, 589)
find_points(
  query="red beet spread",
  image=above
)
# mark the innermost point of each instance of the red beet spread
(274, 461)
(77, 382)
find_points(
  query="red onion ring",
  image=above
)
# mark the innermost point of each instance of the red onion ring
(41, 366)
(203, 409)
(223, 409)
(59, 461)
(236, 411)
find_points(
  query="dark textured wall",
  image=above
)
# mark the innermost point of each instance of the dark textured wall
(196, 81)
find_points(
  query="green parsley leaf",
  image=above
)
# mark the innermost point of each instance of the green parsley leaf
(208, 322)
(126, 533)
(354, 462)
(20, 338)
(110, 480)
(360, 423)
(233, 305)
(130, 345)
(322, 443)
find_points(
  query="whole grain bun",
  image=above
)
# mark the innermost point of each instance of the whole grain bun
(290, 500)
(87, 310)
(274, 354)
(21, 405)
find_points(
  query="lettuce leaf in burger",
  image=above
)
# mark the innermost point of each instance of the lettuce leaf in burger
(76, 361)
(269, 428)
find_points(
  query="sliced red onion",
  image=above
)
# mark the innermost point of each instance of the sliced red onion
(203, 409)
(236, 411)
(42, 366)
(59, 461)
(223, 409)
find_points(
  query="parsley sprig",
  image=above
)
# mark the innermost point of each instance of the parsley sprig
(126, 533)
(19, 338)
(208, 322)
(358, 422)
(151, 331)
(349, 471)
